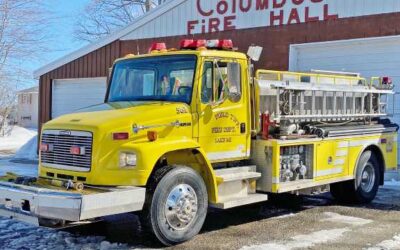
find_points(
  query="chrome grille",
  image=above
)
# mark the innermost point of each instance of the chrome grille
(59, 155)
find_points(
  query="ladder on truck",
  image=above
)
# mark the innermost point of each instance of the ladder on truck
(315, 97)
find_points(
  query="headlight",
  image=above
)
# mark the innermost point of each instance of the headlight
(127, 159)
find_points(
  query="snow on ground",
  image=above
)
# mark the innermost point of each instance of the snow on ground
(393, 244)
(338, 218)
(23, 168)
(285, 216)
(392, 183)
(22, 142)
(303, 241)
(18, 235)
(16, 138)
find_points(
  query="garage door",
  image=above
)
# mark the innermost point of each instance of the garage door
(370, 57)
(70, 95)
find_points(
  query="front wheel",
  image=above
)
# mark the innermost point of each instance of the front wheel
(177, 209)
(365, 186)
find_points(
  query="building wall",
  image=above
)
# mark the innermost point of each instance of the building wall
(276, 41)
(182, 17)
(27, 110)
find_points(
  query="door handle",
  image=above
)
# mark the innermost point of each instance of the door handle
(242, 128)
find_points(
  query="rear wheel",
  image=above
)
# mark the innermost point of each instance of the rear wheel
(365, 186)
(176, 211)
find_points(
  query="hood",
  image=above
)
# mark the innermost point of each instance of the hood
(121, 114)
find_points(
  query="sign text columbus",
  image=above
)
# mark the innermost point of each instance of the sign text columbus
(222, 15)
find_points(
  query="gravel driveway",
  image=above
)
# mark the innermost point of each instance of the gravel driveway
(285, 222)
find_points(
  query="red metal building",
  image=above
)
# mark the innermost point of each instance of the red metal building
(347, 35)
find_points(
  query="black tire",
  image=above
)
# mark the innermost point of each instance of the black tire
(364, 187)
(176, 222)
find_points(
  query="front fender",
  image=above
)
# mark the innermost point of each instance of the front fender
(149, 153)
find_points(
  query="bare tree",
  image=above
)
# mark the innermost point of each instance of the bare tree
(22, 39)
(102, 17)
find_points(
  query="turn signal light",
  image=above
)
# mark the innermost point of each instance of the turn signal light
(120, 136)
(75, 150)
(152, 135)
(44, 147)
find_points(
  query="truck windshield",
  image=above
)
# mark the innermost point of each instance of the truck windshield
(158, 78)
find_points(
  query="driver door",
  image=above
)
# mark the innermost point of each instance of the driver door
(224, 131)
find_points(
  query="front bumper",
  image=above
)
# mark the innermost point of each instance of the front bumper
(29, 203)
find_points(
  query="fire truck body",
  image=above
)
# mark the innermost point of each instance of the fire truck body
(182, 130)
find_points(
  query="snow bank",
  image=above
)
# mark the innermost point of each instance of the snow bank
(28, 151)
(16, 139)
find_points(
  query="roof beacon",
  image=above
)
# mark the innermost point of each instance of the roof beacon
(158, 47)
(192, 44)
(209, 44)
(220, 44)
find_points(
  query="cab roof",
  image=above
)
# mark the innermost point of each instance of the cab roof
(199, 53)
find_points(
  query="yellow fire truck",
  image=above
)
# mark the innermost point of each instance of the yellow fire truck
(184, 130)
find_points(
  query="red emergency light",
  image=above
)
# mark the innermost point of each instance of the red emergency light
(386, 80)
(158, 47)
(192, 44)
(225, 44)
(120, 136)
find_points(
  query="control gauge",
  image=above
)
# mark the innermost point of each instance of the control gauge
(301, 149)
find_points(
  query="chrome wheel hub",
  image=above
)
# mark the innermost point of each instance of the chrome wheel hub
(181, 207)
(368, 178)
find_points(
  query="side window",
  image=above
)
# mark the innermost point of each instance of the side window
(221, 80)
(227, 81)
(207, 83)
(234, 82)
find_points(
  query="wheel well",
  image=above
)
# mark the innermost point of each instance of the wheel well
(192, 158)
(378, 153)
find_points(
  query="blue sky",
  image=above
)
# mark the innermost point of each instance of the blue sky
(64, 15)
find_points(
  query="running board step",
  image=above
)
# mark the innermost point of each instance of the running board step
(236, 184)
(236, 174)
(237, 202)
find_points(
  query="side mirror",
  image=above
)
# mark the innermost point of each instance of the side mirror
(254, 53)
